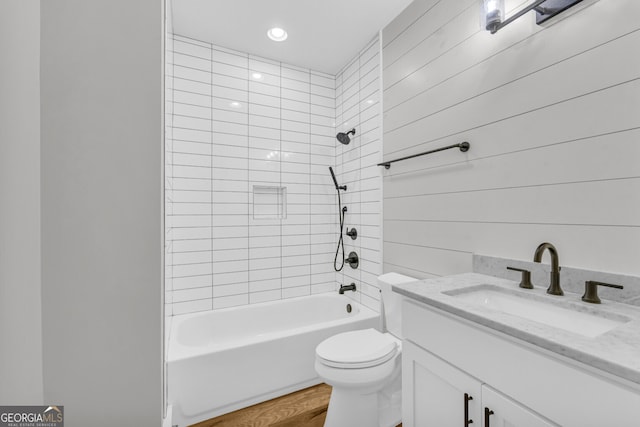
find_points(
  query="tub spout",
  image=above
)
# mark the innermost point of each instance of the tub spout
(351, 287)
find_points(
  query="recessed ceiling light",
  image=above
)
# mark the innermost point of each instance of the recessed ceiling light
(256, 76)
(235, 104)
(277, 34)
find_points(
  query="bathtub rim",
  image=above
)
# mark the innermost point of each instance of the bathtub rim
(178, 352)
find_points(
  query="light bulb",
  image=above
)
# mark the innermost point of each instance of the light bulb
(277, 34)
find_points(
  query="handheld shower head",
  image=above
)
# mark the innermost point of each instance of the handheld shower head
(335, 181)
(343, 137)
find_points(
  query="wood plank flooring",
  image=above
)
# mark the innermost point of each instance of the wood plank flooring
(304, 408)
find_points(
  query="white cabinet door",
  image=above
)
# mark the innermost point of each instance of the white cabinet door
(500, 411)
(434, 392)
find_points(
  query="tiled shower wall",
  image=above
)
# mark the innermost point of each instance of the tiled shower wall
(241, 124)
(241, 121)
(358, 106)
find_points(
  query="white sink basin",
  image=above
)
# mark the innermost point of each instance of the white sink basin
(541, 309)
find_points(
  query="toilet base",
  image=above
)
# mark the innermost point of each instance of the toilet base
(350, 407)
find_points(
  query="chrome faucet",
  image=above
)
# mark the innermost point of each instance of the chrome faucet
(554, 287)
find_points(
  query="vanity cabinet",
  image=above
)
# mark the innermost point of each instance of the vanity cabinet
(446, 357)
(438, 394)
(435, 393)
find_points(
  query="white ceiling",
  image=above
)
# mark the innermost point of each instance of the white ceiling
(323, 34)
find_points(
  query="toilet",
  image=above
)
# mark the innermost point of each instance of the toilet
(364, 368)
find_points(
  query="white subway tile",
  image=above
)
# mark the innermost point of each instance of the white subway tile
(264, 296)
(231, 289)
(228, 70)
(227, 94)
(191, 99)
(229, 266)
(299, 106)
(294, 95)
(192, 294)
(230, 128)
(190, 135)
(263, 242)
(231, 82)
(296, 126)
(263, 132)
(299, 74)
(193, 233)
(265, 78)
(191, 61)
(219, 279)
(191, 245)
(294, 292)
(191, 270)
(264, 285)
(191, 282)
(227, 150)
(297, 85)
(191, 47)
(262, 110)
(230, 139)
(225, 56)
(260, 99)
(257, 275)
(229, 162)
(301, 137)
(186, 73)
(230, 301)
(191, 306)
(324, 81)
(229, 220)
(264, 66)
(264, 89)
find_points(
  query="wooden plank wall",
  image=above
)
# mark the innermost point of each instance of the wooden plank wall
(553, 117)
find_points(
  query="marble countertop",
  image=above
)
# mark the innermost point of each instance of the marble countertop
(616, 351)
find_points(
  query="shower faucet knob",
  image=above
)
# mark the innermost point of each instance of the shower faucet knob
(353, 260)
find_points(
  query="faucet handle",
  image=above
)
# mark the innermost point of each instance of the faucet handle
(525, 282)
(591, 291)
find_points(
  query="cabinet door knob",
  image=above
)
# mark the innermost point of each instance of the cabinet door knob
(487, 413)
(467, 398)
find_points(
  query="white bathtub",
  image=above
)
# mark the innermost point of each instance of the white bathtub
(224, 360)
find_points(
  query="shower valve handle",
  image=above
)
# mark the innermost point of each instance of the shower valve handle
(353, 260)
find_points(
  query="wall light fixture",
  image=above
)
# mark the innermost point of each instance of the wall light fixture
(493, 12)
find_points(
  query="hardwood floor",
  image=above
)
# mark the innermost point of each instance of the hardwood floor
(304, 408)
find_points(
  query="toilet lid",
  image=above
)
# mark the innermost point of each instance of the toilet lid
(357, 349)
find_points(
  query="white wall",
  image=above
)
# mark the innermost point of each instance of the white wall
(358, 106)
(552, 117)
(230, 132)
(20, 302)
(101, 165)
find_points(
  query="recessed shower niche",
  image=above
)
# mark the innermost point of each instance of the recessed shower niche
(269, 202)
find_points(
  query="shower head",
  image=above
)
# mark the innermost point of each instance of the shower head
(335, 181)
(343, 137)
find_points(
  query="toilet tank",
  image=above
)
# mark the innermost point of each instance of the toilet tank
(391, 301)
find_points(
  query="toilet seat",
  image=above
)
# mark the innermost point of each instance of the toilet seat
(357, 349)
